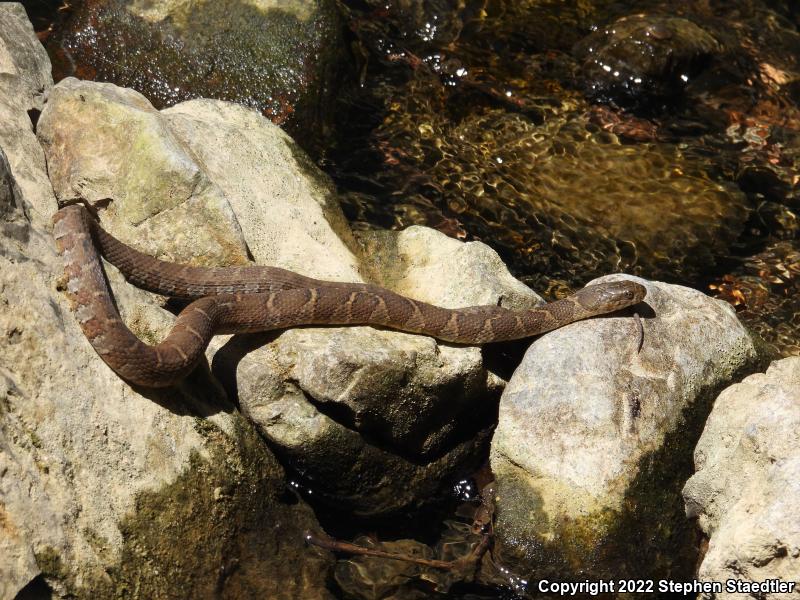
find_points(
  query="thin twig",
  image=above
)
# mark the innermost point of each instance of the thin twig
(472, 559)
(640, 331)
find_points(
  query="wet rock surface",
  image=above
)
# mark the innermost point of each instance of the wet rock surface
(565, 198)
(594, 439)
(440, 73)
(281, 58)
(745, 492)
(640, 58)
(766, 291)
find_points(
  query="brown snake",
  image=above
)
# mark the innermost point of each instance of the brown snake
(259, 298)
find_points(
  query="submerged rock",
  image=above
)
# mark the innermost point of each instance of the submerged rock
(642, 59)
(563, 198)
(594, 440)
(746, 491)
(281, 58)
(765, 289)
(369, 578)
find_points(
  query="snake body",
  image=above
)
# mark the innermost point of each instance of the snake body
(261, 298)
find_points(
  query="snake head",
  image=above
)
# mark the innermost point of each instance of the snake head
(611, 296)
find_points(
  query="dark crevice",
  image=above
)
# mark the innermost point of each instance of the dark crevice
(33, 115)
(37, 589)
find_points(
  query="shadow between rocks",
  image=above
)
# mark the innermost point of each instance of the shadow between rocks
(198, 395)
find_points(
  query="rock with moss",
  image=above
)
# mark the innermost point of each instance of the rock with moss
(107, 491)
(375, 420)
(745, 494)
(105, 488)
(594, 439)
(282, 58)
(109, 146)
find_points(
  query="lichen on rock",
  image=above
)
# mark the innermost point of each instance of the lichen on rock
(745, 491)
(594, 439)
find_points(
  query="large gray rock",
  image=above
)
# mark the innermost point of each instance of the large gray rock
(24, 80)
(107, 491)
(108, 144)
(18, 566)
(10, 195)
(594, 439)
(96, 477)
(24, 67)
(746, 491)
(105, 488)
(286, 206)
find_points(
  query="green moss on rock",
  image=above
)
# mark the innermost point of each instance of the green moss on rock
(221, 530)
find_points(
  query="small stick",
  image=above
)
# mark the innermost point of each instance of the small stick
(640, 332)
(336, 546)
(348, 548)
(474, 557)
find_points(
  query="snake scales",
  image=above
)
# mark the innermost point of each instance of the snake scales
(259, 298)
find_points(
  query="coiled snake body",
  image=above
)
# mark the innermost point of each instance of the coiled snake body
(259, 298)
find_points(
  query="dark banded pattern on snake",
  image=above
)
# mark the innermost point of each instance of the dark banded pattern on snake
(259, 298)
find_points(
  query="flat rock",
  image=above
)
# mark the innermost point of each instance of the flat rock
(430, 266)
(745, 494)
(594, 439)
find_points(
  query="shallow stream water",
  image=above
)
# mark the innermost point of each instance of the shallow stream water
(584, 138)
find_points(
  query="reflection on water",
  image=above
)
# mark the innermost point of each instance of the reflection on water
(565, 199)
(586, 138)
